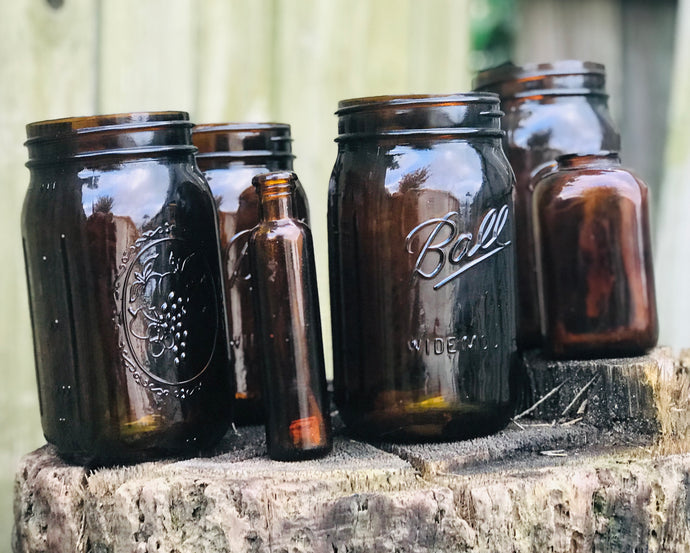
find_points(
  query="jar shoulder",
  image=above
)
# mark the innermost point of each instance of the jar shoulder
(589, 185)
(570, 124)
(458, 168)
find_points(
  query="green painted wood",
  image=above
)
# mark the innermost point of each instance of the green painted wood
(46, 56)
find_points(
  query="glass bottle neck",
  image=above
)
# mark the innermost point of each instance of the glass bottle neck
(276, 208)
(275, 192)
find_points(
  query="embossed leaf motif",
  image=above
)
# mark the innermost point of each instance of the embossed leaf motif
(160, 326)
(142, 278)
(159, 289)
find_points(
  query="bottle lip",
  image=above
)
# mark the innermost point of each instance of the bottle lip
(243, 140)
(419, 116)
(365, 103)
(509, 71)
(122, 135)
(240, 126)
(553, 76)
(278, 177)
(275, 184)
(51, 129)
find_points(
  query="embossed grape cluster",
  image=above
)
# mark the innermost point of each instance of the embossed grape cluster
(173, 313)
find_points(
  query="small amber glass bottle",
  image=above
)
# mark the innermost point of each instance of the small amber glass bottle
(594, 259)
(288, 324)
(230, 155)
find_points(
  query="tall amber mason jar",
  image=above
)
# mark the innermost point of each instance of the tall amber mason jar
(550, 109)
(123, 267)
(595, 259)
(420, 221)
(230, 155)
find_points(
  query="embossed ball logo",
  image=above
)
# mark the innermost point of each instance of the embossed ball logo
(169, 311)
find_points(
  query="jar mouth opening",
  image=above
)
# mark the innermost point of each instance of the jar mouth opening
(59, 128)
(241, 127)
(138, 134)
(528, 71)
(381, 102)
(248, 139)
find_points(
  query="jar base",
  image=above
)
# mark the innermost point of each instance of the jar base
(466, 422)
(105, 453)
(301, 454)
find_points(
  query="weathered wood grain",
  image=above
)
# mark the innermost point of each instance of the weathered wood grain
(358, 499)
(672, 223)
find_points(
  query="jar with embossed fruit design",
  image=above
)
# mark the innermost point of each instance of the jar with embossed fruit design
(230, 155)
(123, 267)
(420, 220)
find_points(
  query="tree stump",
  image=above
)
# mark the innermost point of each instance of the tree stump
(552, 485)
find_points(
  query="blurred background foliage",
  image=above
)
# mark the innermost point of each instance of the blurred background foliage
(291, 61)
(492, 33)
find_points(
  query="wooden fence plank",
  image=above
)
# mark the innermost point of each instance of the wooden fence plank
(46, 71)
(648, 34)
(328, 50)
(147, 55)
(673, 223)
(589, 30)
(234, 60)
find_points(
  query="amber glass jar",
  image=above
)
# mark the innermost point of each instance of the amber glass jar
(594, 257)
(420, 221)
(288, 325)
(550, 109)
(230, 155)
(123, 267)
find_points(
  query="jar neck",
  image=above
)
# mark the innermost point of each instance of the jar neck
(275, 192)
(108, 160)
(600, 160)
(243, 141)
(416, 116)
(270, 162)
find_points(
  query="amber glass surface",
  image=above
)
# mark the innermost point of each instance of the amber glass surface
(420, 220)
(595, 259)
(289, 326)
(230, 155)
(123, 268)
(550, 109)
